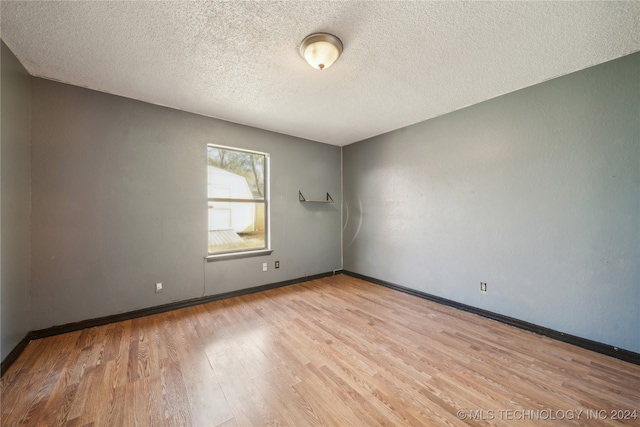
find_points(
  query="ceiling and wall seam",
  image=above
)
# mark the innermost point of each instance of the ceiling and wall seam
(239, 61)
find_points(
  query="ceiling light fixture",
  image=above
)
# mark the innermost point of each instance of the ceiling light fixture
(321, 50)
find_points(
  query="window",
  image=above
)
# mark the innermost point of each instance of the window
(238, 191)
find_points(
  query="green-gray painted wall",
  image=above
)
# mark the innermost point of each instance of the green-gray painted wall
(536, 192)
(120, 203)
(15, 199)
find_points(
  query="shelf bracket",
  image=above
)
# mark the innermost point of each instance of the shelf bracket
(302, 199)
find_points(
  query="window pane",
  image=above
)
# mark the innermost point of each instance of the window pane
(237, 209)
(239, 174)
(236, 226)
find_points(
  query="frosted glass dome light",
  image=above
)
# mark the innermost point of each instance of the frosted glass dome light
(321, 50)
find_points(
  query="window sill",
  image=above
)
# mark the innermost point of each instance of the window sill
(238, 255)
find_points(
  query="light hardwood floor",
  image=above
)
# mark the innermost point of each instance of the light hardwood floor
(336, 352)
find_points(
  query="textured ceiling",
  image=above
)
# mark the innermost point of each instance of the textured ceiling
(403, 62)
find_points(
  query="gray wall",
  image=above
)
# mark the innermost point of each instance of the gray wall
(536, 193)
(15, 168)
(119, 203)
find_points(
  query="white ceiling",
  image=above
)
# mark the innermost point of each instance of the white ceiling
(403, 62)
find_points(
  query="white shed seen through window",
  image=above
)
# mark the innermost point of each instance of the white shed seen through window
(238, 184)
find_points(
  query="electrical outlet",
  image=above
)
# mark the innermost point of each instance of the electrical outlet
(277, 264)
(264, 266)
(483, 287)
(158, 287)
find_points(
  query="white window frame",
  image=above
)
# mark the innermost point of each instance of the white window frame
(266, 201)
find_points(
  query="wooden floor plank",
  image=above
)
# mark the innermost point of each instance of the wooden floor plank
(329, 352)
